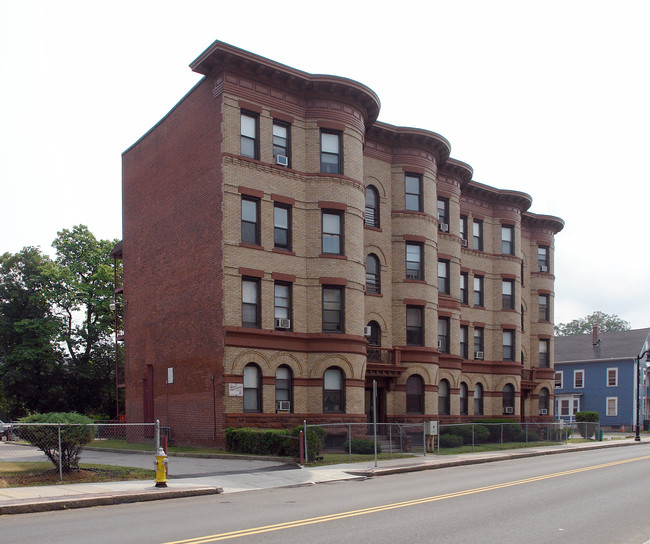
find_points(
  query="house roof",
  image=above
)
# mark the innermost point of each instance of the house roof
(610, 345)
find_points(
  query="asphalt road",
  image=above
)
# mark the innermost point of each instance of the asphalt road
(593, 497)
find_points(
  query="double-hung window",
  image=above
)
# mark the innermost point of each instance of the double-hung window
(479, 340)
(414, 261)
(612, 377)
(252, 388)
(443, 334)
(464, 339)
(281, 133)
(544, 308)
(463, 230)
(333, 309)
(508, 345)
(249, 141)
(250, 221)
(330, 152)
(372, 207)
(413, 192)
(477, 234)
(443, 214)
(464, 281)
(282, 305)
(443, 277)
(578, 379)
(282, 226)
(332, 228)
(544, 359)
(507, 239)
(559, 379)
(478, 291)
(373, 277)
(612, 406)
(333, 390)
(415, 325)
(507, 294)
(542, 258)
(250, 303)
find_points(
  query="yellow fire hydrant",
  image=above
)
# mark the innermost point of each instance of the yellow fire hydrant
(161, 468)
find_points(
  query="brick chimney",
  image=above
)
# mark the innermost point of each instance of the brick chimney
(594, 335)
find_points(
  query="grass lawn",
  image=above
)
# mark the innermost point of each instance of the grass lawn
(43, 473)
(122, 444)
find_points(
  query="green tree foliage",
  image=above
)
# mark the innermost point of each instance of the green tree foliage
(32, 369)
(605, 322)
(76, 431)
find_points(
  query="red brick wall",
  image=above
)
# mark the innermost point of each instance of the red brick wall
(173, 254)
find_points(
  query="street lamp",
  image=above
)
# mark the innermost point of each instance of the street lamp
(637, 438)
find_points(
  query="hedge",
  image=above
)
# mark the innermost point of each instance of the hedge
(280, 442)
(362, 446)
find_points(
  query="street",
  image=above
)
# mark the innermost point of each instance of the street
(594, 496)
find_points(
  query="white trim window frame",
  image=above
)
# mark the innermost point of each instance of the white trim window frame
(612, 373)
(611, 406)
(578, 379)
(559, 374)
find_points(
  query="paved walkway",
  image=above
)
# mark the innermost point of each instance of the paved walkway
(253, 475)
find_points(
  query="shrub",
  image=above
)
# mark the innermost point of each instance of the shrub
(533, 436)
(591, 417)
(480, 432)
(362, 446)
(279, 442)
(450, 440)
(76, 431)
(315, 441)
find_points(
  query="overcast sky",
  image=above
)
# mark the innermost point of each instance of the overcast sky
(550, 98)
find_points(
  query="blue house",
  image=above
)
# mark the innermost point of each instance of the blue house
(597, 373)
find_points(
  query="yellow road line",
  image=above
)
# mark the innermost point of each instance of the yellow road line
(382, 508)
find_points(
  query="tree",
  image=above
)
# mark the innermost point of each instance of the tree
(32, 368)
(604, 322)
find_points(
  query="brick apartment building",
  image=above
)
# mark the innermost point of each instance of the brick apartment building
(282, 249)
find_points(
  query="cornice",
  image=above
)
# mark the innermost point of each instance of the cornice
(555, 224)
(523, 201)
(410, 137)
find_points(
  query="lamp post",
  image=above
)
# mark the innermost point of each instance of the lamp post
(637, 438)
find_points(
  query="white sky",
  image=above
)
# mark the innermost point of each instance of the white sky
(550, 98)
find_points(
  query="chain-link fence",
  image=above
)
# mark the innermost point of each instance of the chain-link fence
(42, 453)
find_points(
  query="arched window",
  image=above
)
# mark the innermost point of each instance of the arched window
(333, 390)
(374, 342)
(373, 274)
(415, 395)
(463, 399)
(372, 207)
(283, 389)
(509, 399)
(478, 400)
(443, 398)
(252, 388)
(543, 401)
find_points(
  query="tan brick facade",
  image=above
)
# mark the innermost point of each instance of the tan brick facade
(245, 271)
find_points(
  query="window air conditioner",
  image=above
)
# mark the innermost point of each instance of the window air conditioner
(283, 406)
(367, 331)
(509, 410)
(543, 412)
(543, 268)
(444, 227)
(282, 323)
(463, 242)
(478, 355)
(282, 160)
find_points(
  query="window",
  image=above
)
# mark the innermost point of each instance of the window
(281, 133)
(414, 268)
(544, 396)
(249, 135)
(507, 239)
(509, 399)
(478, 342)
(415, 395)
(332, 224)
(282, 226)
(478, 400)
(478, 290)
(464, 281)
(333, 309)
(463, 399)
(443, 214)
(443, 277)
(374, 342)
(413, 192)
(564, 407)
(443, 334)
(464, 341)
(252, 388)
(578, 379)
(507, 294)
(477, 234)
(283, 389)
(414, 326)
(330, 152)
(372, 207)
(612, 377)
(373, 277)
(250, 221)
(544, 308)
(508, 345)
(463, 230)
(542, 258)
(612, 406)
(333, 392)
(559, 375)
(282, 305)
(250, 303)
(443, 398)
(544, 359)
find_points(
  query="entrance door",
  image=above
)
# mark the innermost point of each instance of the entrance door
(381, 410)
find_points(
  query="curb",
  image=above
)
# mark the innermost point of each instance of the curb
(30, 506)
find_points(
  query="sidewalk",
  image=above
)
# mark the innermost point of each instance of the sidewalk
(17, 500)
